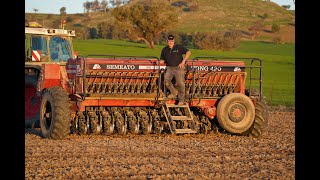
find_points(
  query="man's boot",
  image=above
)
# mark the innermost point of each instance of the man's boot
(181, 103)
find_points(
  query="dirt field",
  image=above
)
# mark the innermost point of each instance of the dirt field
(214, 156)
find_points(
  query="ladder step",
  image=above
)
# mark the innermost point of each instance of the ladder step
(185, 131)
(180, 118)
(173, 105)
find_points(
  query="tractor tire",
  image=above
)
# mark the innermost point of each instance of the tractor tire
(32, 102)
(55, 114)
(235, 113)
(260, 121)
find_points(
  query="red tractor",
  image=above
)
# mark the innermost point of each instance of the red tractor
(43, 46)
(107, 94)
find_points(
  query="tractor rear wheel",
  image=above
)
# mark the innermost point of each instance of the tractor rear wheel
(260, 121)
(32, 102)
(55, 114)
(235, 113)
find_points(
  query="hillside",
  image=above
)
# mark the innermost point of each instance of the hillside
(231, 14)
(204, 16)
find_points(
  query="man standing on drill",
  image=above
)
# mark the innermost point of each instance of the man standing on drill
(172, 55)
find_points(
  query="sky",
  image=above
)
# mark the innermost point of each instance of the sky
(76, 6)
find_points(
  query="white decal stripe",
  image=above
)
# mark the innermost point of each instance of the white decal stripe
(152, 67)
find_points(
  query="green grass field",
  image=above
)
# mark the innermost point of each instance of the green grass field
(278, 61)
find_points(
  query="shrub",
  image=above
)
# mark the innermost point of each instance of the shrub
(216, 40)
(93, 33)
(186, 39)
(186, 9)
(275, 28)
(265, 16)
(179, 3)
(256, 26)
(78, 25)
(231, 40)
(69, 19)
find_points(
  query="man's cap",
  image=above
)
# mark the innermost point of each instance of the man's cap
(170, 37)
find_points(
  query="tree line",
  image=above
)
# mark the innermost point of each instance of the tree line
(148, 21)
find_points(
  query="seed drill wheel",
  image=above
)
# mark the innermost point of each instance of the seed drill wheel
(235, 113)
(157, 127)
(95, 127)
(32, 102)
(133, 126)
(260, 121)
(83, 127)
(55, 113)
(108, 127)
(146, 127)
(121, 126)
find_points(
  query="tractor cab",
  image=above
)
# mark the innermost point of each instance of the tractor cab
(47, 44)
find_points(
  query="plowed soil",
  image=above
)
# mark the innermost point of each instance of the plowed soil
(216, 155)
